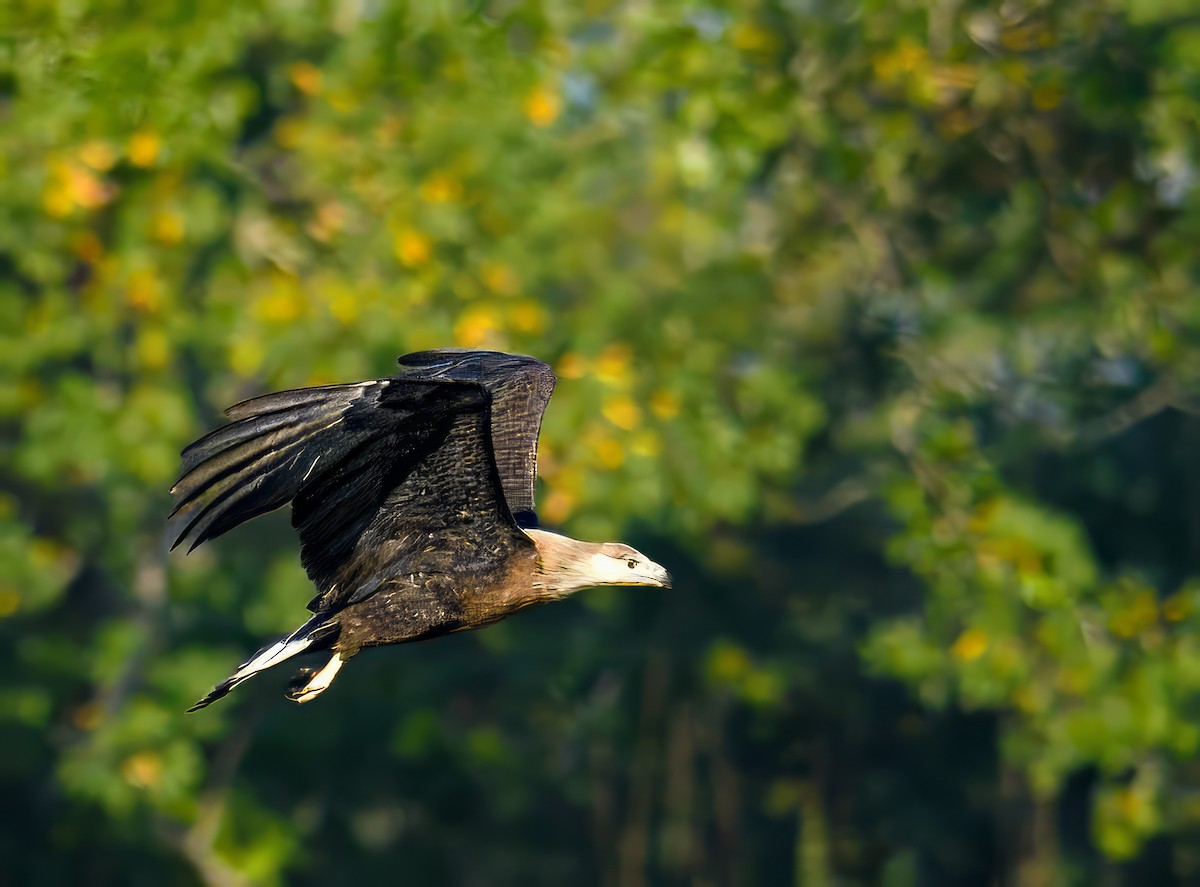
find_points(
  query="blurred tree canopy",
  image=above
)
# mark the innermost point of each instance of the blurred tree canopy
(876, 322)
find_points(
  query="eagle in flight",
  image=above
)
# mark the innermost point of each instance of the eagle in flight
(413, 498)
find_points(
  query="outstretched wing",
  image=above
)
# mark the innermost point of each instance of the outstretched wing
(386, 478)
(520, 388)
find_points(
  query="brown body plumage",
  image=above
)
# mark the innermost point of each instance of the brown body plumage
(413, 497)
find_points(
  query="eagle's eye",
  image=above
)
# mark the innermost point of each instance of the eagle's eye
(631, 563)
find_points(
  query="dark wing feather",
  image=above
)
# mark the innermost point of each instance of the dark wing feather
(446, 516)
(258, 463)
(520, 388)
(386, 478)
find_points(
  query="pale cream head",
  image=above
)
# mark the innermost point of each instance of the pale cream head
(568, 564)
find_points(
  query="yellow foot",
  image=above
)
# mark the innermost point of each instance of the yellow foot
(319, 682)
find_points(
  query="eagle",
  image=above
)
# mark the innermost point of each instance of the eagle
(413, 499)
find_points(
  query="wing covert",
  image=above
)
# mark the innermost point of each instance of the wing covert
(520, 388)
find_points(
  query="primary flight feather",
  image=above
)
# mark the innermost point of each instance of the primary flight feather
(413, 498)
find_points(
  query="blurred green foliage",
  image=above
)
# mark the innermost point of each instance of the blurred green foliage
(876, 322)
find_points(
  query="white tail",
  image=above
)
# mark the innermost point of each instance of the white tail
(285, 648)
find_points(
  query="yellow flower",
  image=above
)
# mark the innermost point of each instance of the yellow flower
(664, 404)
(327, 221)
(572, 365)
(389, 130)
(609, 452)
(144, 147)
(143, 769)
(344, 101)
(153, 348)
(306, 77)
(87, 246)
(168, 226)
(612, 364)
(412, 247)
(1047, 96)
(281, 305)
(87, 190)
(477, 326)
(542, 106)
(57, 202)
(288, 131)
(71, 186)
(622, 412)
(528, 317)
(98, 154)
(9, 601)
(343, 305)
(1176, 608)
(646, 444)
(246, 356)
(752, 38)
(728, 664)
(499, 278)
(558, 506)
(906, 58)
(143, 292)
(441, 187)
(88, 716)
(1138, 615)
(971, 644)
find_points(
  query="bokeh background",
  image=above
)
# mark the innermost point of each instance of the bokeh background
(877, 322)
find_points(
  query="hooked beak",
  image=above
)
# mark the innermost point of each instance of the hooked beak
(655, 575)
